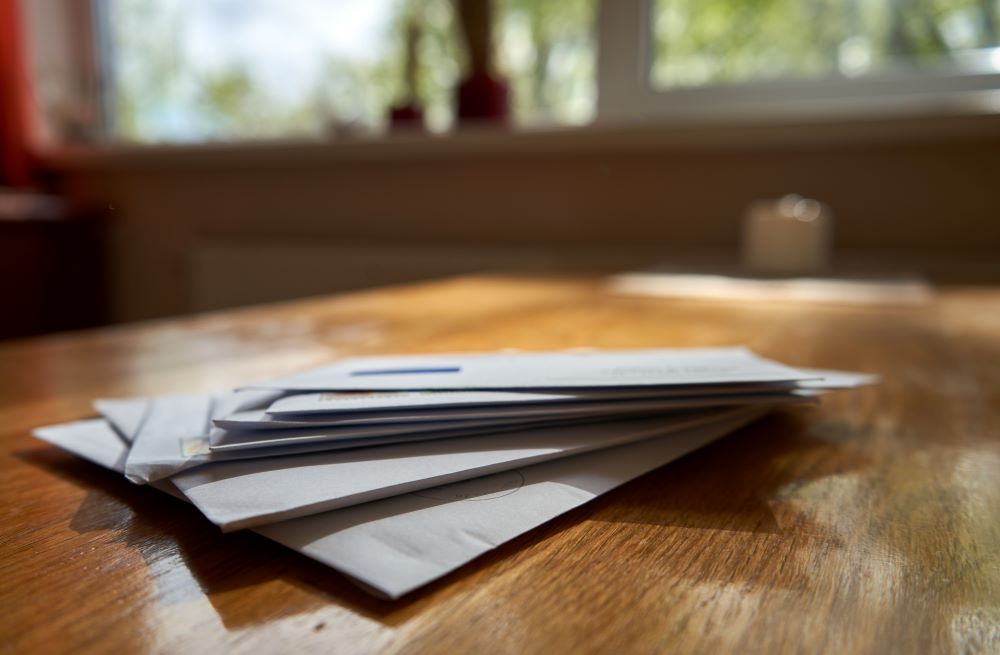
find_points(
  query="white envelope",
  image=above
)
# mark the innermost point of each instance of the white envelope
(247, 493)
(396, 545)
(258, 432)
(372, 435)
(124, 414)
(174, 430)
(172, 441)
(174, 433)
(599, 369)
(399, 544)
(175, 436)
(304, 447)
(92, 439)
(362, 407)
(826, 379)
(568, 410)
(385, 405)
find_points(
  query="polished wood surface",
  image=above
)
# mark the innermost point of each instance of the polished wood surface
(868, 525)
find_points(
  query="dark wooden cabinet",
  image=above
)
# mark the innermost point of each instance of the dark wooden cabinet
(52, 266)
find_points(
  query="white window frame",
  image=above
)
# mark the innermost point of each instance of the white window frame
(626, 92)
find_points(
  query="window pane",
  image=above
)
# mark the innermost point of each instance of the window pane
(726, 41)
(547, 50)
(257, 69)
(188, 71)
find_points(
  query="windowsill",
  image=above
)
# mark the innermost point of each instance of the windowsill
(761, 130)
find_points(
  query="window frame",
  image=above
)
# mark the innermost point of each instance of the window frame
(626, 92)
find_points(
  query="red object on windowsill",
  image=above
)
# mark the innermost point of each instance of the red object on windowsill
(406, 117)
(483, 98)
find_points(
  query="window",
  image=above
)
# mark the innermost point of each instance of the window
(254, 69)
(796, 57)
(235, 69)
(701, 42)
(148, 71)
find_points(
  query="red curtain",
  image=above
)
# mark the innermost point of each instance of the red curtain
(16, 100)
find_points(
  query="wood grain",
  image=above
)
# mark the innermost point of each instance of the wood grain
(868, 525)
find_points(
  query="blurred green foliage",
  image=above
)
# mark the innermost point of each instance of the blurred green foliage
(725, 41)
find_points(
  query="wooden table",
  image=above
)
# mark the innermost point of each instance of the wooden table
(870, 525)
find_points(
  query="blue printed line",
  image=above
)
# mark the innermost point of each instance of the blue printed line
(408, 371)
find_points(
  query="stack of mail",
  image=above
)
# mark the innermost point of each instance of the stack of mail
(398, 469)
